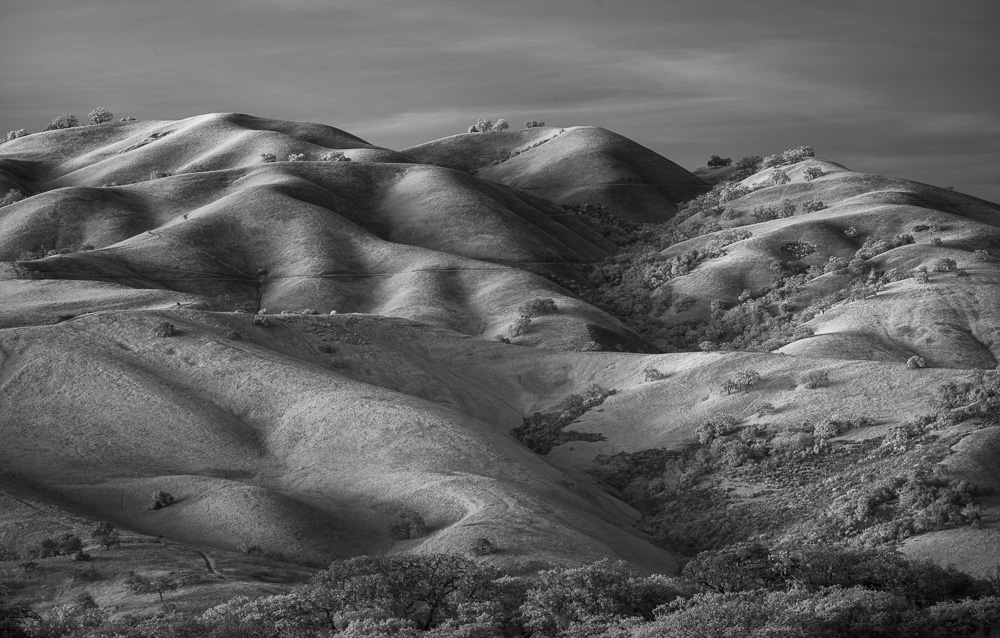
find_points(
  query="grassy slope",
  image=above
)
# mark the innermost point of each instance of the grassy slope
(951, 322)
(580, 164)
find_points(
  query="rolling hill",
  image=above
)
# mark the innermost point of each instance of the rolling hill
(304, 352)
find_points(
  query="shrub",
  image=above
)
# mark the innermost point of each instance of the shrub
(100, 115)
(935, 241)
(919, 228)
(482, 547)
(296, 157)
(13, 135)
(261, 321)
(501, 125)
(481, 126)
(812, 173)
(533, 124)
(779, 177)
(829, 428)
(66, 545)
(162, 499)
(816, 379)
(159, 174)
(745, 379)
(334, 156)
(851, 231)
(408, 524)
(652, 374)
(717, 162)
(542, 431)
(812, 206)
(11, 196)
(106, 536)
(519, 326)
(916, 362)
(63, 121)
(537, 306)
(981, 255)
(748, 166)
(945, 265)
(164, 329)
(716, 428)
(797, 249)
(137, 584)
(267, 158)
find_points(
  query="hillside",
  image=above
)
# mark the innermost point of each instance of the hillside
(363, 351)
(576, 165)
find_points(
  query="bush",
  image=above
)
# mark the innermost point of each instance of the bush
(482, 547)
(100, 115)
(812, 206)
(267, 158)
(812, 173)
(11, 196)
(747, 166)
(13, 135)
(408, 524)
(981, 255)
(542, 431)
(296, 157)
(745, 379)
(63, 121)
(935, 241)
(162, 499)
(501, 125)
(106, 536)
(816, 379)
(537, 306)
(945, 265)
(716, 428)
(261, 321)
(652, 374)
(533, 124)
(164, 329)
(717, 162)
(779, 177)
(797, 249)
(481, 126)
(916, 362)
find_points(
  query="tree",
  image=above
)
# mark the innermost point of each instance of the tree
(13, 195)
(717, 162)
(481, 126)
(106, 536)
(137, 584)
(100, 115)
(63, 121)
(812, 173)
(162, 499)
(409, 524)
(501, 125)
(945, 265)
(424, 589)
(533, 124)
(13, 135)
(267, 158)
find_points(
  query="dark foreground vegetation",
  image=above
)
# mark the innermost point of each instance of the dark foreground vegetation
(743, 590)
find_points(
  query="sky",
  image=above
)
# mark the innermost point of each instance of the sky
(907, 88)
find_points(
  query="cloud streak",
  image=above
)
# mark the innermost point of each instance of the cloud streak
(900, 83)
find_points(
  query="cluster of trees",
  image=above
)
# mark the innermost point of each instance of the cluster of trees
(747, 590)
(485, 126)
(525, 313)
(542, 431)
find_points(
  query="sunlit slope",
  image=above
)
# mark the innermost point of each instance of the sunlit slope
(270, 440)
(950, 321)
(368, 235)
(581, 164)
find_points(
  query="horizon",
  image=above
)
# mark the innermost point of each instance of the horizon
(899, 89)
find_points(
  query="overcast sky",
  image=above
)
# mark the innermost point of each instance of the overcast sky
(899, 87)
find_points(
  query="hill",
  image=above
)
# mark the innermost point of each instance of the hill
(576, 165)
(304, 353)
